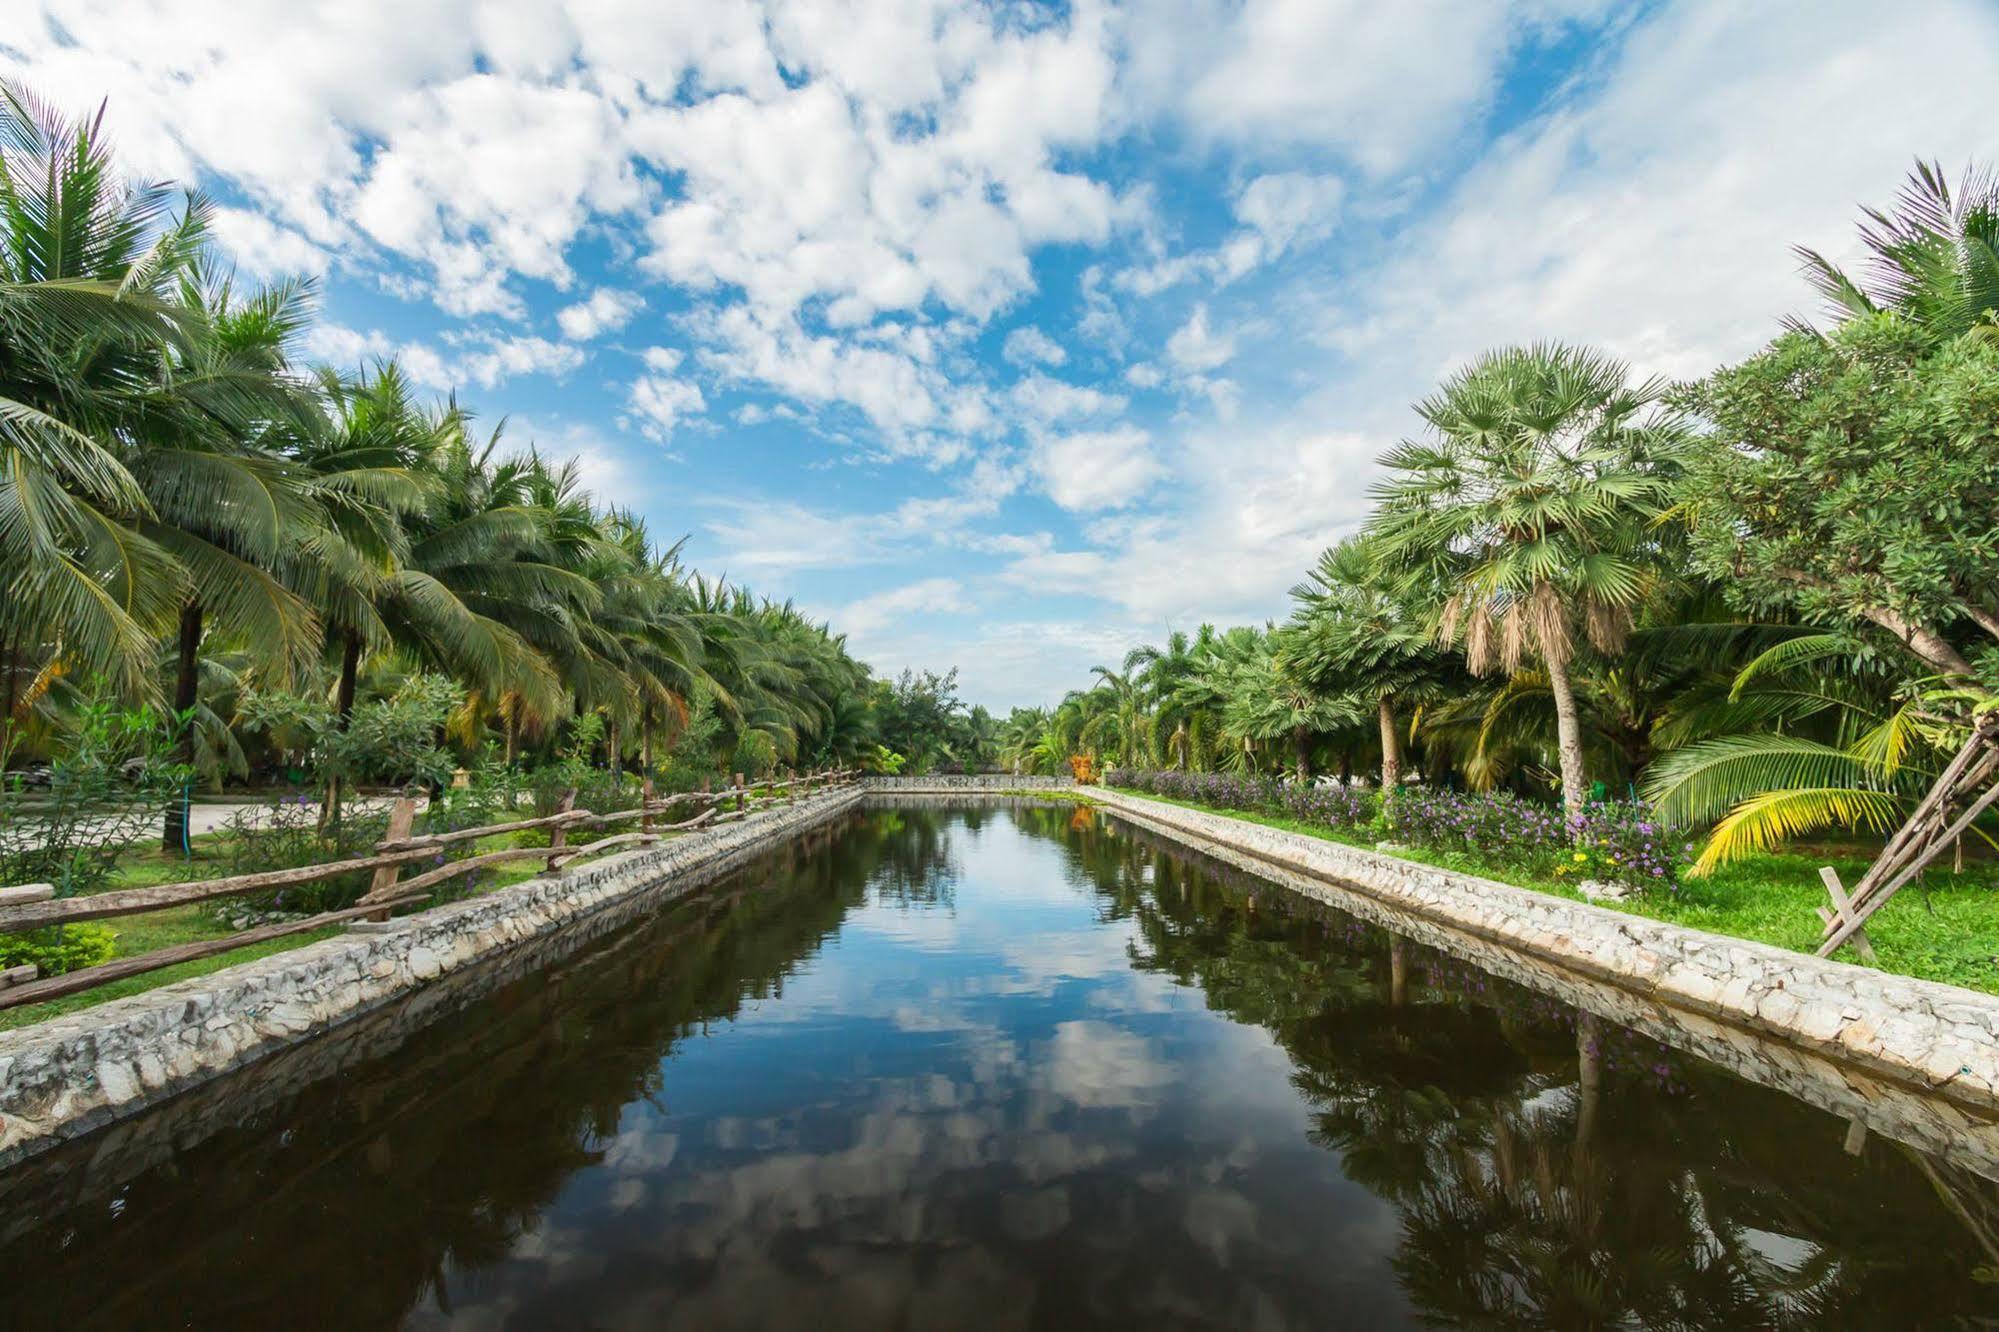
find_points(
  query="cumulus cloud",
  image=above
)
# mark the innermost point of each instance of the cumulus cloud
(1195, 346)
(1028, 345)
(1100, 469)
(841, 200)
(661, 402)
(606, 311)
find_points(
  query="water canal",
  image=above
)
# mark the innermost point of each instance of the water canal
(995, 1067)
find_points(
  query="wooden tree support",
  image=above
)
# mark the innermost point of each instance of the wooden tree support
(1972, 781)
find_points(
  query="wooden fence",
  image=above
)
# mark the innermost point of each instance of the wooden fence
(34, 906)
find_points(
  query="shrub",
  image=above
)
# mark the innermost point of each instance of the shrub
(1496, 823)
(1612, 841)
(112, 787)
(1623, 842)
(285, 833)
(58, 948)
(1333, 806)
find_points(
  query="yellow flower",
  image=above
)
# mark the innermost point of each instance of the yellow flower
(1581, 857)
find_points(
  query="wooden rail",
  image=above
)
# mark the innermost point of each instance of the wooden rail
(33, 907)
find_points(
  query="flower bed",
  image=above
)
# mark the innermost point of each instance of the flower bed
(1611, 841)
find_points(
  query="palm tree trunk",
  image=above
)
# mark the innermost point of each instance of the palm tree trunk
(1301, 740)
(1391, 751)
(8, 666)
(1568, 735)
(343, 711)
(187, 692)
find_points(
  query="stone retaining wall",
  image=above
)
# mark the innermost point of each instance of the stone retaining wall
(1936, 1037)
(64, 1077)
(965, 784)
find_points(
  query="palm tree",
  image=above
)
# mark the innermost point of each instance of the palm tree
(1271, 699)
(235, 514)
(1534, 495)
(1163, 674)
(88, 279)
(1360, 629)
(1935, 259)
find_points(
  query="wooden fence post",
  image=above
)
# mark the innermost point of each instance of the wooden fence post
(645, 803)
(401, 816)
(558, 837)
(742, 796)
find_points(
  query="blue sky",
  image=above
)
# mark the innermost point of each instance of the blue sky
(1008, 336)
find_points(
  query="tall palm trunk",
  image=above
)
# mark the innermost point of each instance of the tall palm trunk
(1568, 734)
(187, 692)
(343, 712)
(8, 667)
(1301, 740)
(1391, 751)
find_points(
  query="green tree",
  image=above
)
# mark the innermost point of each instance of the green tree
(1853, 480)
(1535, 492)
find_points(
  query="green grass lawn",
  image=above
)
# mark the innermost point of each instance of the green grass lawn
(1947, 932)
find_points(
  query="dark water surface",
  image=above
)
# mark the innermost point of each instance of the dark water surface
(966, 1068)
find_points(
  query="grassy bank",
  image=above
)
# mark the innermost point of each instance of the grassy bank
(1948, 931)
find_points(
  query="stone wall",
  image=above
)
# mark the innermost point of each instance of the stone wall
(965, 784)
(1938, 1038)
(64, 1077)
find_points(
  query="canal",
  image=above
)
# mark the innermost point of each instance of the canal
(966, 1067)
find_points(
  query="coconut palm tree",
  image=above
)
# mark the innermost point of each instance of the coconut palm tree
(1361, 629)
(1531, 504)
(1934, 259)
(89, 267)
(1163, 673)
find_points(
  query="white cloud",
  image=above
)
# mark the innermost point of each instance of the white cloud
(1287, 207)
(606, 311)
(345, 348)
(483, 359)
(1374, 83)
(1104, 469)
(1028, 345)
(869, 615)
(264, 250)
(1196, 347)
(505, 358)
(660, 403)
(1048, 400)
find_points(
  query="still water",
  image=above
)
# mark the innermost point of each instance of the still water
(967, 1068)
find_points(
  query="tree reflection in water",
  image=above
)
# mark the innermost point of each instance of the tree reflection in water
(996, 1067)
(1618, 1186)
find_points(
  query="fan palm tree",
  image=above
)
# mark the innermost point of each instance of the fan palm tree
(1271, 699)
(1534, 494)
